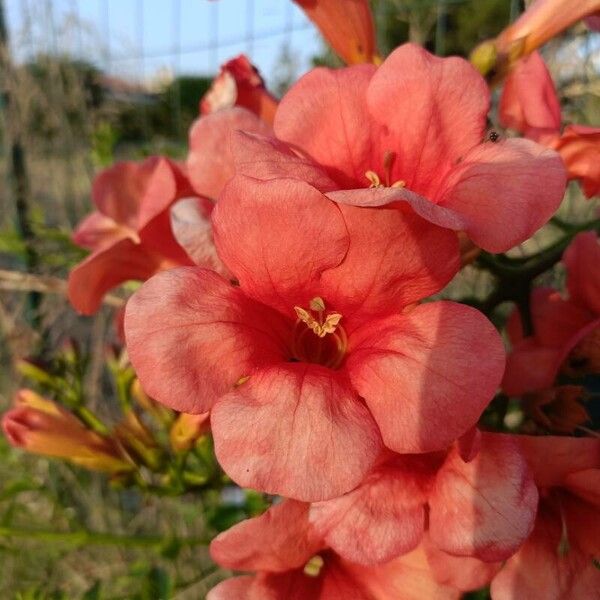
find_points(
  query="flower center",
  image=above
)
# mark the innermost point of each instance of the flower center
(318, 336)
(388, 162)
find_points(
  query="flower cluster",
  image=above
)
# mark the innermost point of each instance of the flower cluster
(289, 269)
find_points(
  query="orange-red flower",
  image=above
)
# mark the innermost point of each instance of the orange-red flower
(560, 558)
(240, 84)
(543, 20)
(129, 233)
(566, 337)
(529, 105)
(412, 132)
(481, 506)
(319, 353)
(43, 427)
(347, 25)
(292, 562)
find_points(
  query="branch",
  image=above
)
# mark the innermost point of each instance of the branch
(83, 538)
(18, 281)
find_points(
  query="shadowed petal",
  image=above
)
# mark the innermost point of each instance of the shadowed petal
(395, 258)
(579, 147)
(427, 374)
(582, 260)
(530, 367)
(379, 520)
(191, 225)
(485, 508)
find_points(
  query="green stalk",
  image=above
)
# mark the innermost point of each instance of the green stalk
(94, 538)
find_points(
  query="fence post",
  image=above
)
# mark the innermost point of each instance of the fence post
(18, 167)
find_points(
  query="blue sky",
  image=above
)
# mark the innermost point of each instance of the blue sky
(135, 38)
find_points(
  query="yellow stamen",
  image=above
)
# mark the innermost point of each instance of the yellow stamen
(318, 326)
(241, 380)
(374, 179)
(376, 182)
(313, 567)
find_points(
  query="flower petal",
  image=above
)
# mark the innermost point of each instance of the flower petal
(395, 258)
(553, 458)
(239, 83)
(191, 225)
(529, 103)
(191, 336)
(582, 260)
(379, 520)
(461, 572)
(505, 191)
(541, 570)
(236, 588)
(485, 508)
(409, 577)
(431, 111)
(530, 367)
(325, 115)
(97, 232)
(296, 430)
(132, 193)
(281, 539)
(579, 147)
(105, 269)
(374, 197)
(347, 27)
(277, 237)
(267, 158)
(210, 162)
(291, 585)
(427, 374)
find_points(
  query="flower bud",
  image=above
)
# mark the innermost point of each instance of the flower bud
(542, 21)
(346, 26)
(240, 84)
(43, 427)
(187, 429)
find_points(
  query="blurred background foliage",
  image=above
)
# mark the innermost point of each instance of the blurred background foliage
(66, 533)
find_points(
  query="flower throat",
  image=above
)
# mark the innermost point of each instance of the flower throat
(318, 337)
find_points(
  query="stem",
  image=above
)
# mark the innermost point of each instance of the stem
(93, 538)
(91, 420)
(17, 281)
(515, 275)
